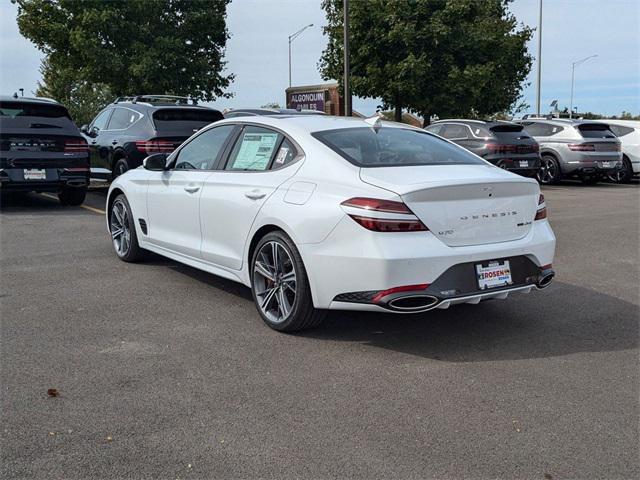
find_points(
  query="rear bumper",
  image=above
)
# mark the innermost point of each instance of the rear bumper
(353, 260)
(55, 180)
(599, 163)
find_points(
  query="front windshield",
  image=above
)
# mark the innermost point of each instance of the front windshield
(394, 147)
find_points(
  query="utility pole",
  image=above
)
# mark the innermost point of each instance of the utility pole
(538, 86)
(347, 89)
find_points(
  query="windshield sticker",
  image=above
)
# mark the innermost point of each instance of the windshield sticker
(282, 155)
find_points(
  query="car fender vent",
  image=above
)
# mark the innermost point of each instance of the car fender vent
(143, 225)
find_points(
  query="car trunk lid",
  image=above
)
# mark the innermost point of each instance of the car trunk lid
(463, 205)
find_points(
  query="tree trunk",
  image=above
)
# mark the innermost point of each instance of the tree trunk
(397, 115)
(426, 120)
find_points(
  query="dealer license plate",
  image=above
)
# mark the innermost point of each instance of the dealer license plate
(524, 164)
(606, 165)
(493, 274)
(35, 174)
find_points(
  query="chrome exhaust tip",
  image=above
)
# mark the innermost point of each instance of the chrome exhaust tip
(413, 303)
(545, 278)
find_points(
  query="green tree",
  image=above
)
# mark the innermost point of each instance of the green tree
(444, 57)
(83, 99)
(134, 46)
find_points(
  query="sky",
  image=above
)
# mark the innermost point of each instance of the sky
(258, 55)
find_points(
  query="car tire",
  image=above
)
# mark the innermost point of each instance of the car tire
(549, 172)
(123, 231)
(121, 167)
(280, 285)
(625, 174)
(72, 196)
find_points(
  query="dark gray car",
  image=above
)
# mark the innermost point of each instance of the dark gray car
(584, 149)
(505, 144)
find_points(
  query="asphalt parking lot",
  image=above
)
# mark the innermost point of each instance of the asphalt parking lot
(167, 372)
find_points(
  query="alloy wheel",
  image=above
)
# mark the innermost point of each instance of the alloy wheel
(274, 281)
(548, 170)
(120, 230)
(619, 175)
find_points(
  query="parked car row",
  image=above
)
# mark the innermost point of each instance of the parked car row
(550, 149)
(43, 150)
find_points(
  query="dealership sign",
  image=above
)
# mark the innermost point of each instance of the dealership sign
(307, 101)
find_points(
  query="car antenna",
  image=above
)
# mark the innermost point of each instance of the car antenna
(374, 121)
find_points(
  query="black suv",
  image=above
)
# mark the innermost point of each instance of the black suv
(41, 149)
(132, 128)
(505, 144)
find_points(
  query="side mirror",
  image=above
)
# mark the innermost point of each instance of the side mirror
(85, 129)
(156, 162)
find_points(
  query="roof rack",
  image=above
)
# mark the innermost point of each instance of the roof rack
(169, 99)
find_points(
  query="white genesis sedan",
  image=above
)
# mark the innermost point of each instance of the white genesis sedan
(317, 212)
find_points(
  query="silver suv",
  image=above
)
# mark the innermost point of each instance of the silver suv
(574, 148)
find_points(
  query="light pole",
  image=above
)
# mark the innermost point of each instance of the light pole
(347, 68)
(292, 37)
(573, 76)
(539, 60)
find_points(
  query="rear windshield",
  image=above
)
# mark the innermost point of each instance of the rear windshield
(182, 118)
(389, 147)
(595, 130)
(33, 115)
(506, 128)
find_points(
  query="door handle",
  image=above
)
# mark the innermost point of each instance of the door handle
(191, 189)
(255, 194)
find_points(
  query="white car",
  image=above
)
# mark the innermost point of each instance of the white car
(628, 131)
(315, 213)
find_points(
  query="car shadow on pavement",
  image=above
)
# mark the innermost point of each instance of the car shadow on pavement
(562, 320)
(29, 203)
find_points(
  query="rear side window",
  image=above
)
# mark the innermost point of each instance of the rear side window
(122, 119)
(394, 147)
(437, 129)
(595, 130)
(621, 131)
(254, 149)
(542, 129)
(455, 132)
(184, 118)
(286, 153)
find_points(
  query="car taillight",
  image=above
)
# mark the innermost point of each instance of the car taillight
(369, 213)
(542, 209)
(155, 146)
(582, 147)
(76, 145)
(501, 148)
